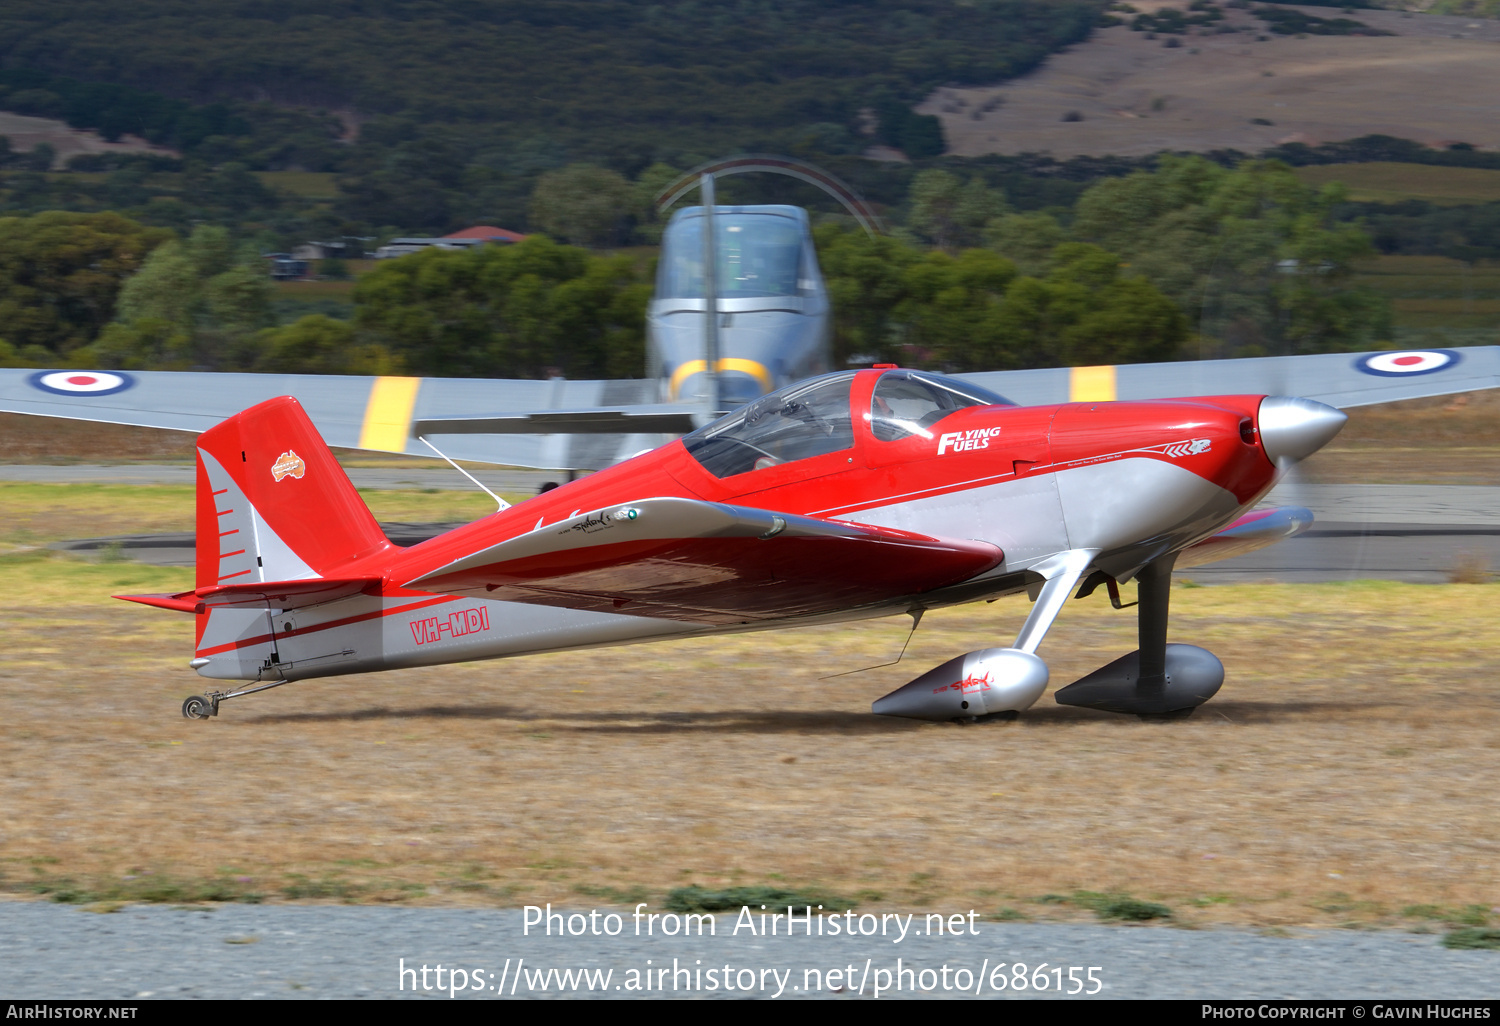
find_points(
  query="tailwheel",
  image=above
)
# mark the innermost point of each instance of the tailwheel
(197, 708)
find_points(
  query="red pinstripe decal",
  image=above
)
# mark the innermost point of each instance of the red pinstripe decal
(221, 491)
(225, 534)
(226, 555)
(393, 611)
(242, 573)
(225, 512)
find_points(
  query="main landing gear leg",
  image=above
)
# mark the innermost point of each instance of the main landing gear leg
(994, 683)
(1158, 681)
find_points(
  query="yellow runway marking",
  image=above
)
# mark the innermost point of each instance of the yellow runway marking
(388, 414)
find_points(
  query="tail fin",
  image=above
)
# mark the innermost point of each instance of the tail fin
(273, 503)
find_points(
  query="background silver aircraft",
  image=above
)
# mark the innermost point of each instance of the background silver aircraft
(774, 317)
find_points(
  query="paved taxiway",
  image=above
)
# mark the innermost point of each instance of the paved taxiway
(1414, 533)
(269, 951)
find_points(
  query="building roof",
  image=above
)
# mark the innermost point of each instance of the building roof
(485, 231)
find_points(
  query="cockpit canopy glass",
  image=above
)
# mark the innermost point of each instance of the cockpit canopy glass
(810, 418)
(907, 403)
(759, 256)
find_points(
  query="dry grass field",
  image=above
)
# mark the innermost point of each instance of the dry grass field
(1447, 440)
(26, 133)
(1437, 81)
(1344, 776)
(1391, 182)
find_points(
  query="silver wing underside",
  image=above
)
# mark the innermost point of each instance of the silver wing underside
(380, 414)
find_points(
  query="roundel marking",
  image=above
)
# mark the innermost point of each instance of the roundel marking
(1416, 361)
(81, 382)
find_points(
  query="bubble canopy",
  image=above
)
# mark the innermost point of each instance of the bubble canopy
(815, 417)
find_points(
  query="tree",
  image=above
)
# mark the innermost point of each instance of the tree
(525, 310)
(194, 303)
(866, 281)
(648, 183)
(583, 204)
(971, 311)
(1252, 255)
(61, 276)
(950, 316)
(1027, 240)
(950, 213)
(318, 344)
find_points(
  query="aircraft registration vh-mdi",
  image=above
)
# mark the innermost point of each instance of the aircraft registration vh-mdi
(843, 496)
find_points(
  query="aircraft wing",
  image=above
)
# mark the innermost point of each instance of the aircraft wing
(586, 425)
(374, 413)
(707, 562)
(1338, 379)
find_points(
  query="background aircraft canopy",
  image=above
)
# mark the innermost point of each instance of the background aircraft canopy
(760, 254)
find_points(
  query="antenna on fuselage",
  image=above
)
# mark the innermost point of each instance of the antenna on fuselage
(710, 295)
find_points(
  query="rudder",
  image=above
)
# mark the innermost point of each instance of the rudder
(273, 503)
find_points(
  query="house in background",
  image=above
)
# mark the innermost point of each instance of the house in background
(287, 266)
(323, 251)
(468, 238)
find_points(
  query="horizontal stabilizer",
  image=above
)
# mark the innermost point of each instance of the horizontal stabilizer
(280, 594)
(1255, 530)
(619, 420)
(181, 602)
(710, 562)
(289, 594)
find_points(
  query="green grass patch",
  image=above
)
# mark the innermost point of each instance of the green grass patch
(41, 578)
(158, 889)
(1120, 907)
(313, 185)
(732, 899)
(1472, 938)
(303, 888)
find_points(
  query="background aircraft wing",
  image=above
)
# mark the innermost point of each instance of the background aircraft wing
(1338, 379)
(354, 412)
(706, 562)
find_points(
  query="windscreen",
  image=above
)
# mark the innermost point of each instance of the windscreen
(760, 255)
(810, 418)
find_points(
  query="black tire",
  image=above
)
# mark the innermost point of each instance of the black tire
(197, 708)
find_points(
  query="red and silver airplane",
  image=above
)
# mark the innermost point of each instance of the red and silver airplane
(846, 496)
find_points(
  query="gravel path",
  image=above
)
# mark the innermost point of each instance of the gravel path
(244, 951)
